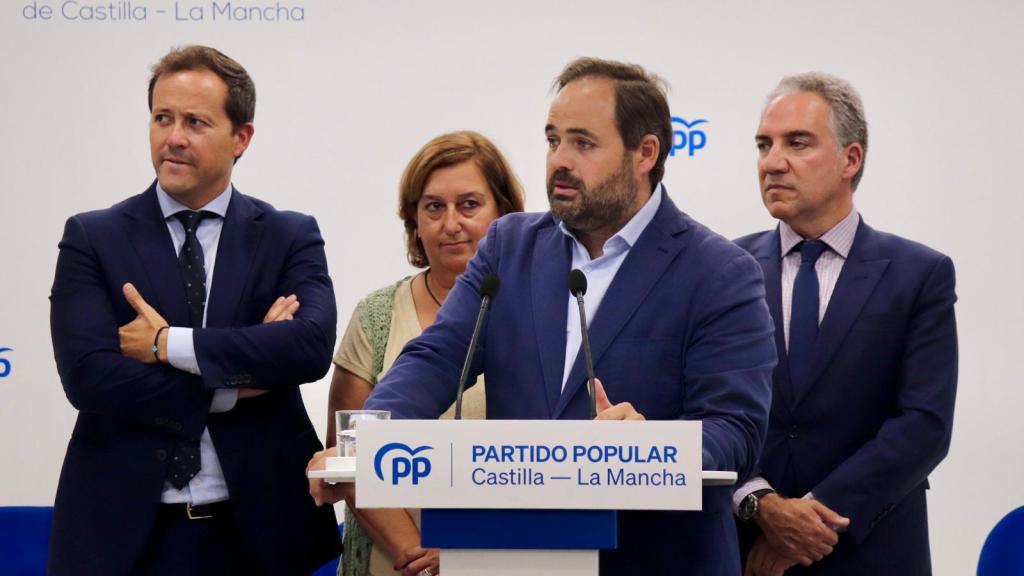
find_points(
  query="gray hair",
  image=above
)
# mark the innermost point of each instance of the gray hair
(846, 111)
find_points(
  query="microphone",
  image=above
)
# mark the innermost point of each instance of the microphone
(488, 290)
(578, 287)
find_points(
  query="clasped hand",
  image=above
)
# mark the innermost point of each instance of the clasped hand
(794, 531)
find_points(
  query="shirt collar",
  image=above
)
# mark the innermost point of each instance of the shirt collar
(631, 231)
(839, 239)
(169, 206)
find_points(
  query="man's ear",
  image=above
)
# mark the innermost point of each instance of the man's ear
(243, 136)
(853, 156)
(646, 154)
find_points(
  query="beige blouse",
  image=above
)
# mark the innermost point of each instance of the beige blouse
(356, 355)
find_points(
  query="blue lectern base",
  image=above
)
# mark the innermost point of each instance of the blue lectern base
(519, 542)
(519, 529)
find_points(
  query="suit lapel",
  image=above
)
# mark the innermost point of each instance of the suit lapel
(646, 262)
(239, 239)
(861, 272)
(147, 232)
(768, 251)
(550, 296)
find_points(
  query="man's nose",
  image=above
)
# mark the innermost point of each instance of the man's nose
(773, 161)
(559, 159)
(177, 137)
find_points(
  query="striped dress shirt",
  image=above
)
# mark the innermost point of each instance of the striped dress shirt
(839, 240)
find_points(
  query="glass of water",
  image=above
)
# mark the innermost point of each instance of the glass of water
(346, 424)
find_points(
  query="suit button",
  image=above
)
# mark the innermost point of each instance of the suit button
(161, 454)
(793, 432)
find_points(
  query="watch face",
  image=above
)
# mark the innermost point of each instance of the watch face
(748, 507)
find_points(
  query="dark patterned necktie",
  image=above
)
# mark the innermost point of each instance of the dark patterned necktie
(186, 462)
(193, 266)
(803, 319)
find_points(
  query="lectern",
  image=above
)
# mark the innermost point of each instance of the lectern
(526, 496)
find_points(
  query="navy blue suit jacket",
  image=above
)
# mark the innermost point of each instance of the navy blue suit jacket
(682, 333)
(131, 414)
(874, 416)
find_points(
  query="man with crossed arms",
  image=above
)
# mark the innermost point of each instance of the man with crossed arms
(175, 342)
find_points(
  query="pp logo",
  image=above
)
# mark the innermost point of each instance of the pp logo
(684, 137)
(412, 466)
(5, 364)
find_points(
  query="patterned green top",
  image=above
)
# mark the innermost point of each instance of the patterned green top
(374, 313)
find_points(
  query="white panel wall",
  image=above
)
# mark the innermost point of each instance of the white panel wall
(350, 92)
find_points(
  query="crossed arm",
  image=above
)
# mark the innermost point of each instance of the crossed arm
(145, 338)
(110, 370)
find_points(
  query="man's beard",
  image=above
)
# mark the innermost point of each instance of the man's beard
(606, 205)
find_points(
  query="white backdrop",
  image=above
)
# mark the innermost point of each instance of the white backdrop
(348, 93)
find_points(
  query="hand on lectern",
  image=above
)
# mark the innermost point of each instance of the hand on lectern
(321, 491)
(607, 411)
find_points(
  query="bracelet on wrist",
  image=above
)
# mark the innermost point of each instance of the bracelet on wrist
(156, 342)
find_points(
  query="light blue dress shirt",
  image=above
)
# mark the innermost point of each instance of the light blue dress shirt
(600, 272)
(208, 485)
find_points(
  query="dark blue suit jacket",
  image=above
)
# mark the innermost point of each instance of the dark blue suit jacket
(874, 417)
(130, 413)
(682, 333)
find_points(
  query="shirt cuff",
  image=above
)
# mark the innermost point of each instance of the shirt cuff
(181, 350)
(752, 485)
(224, 399)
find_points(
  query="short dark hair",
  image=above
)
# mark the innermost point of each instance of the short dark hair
(240, 105)
(641, 107)
(448, 150)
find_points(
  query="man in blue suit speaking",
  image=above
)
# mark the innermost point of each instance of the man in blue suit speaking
(678, 324)
(862, 407)
(183, 321)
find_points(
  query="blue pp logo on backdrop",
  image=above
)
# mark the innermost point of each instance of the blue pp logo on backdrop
(686, 137)
(5, 364)
(407, 465)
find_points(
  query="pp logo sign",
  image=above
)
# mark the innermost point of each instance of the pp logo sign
(5, 364)
(686, 137)
(404, 463)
